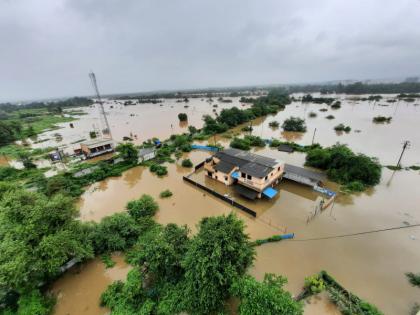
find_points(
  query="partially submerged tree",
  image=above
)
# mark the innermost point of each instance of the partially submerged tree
(294, 124)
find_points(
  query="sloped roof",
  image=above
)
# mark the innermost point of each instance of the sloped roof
(145, 151)
(224, 167)
(304, 172)
(248, 163)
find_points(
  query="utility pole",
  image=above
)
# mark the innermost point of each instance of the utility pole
(313, 137)
(405, 146)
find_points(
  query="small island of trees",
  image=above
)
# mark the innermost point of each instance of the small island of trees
(294, 124)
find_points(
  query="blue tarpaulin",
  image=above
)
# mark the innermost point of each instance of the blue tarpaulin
(269, 192)
(235, 175)
(204, 147)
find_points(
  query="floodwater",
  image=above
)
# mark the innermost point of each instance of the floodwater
(140, 122)
(79, 290)
(372, 266)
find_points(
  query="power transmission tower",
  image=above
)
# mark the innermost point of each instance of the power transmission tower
(106, 130)
(405, 146)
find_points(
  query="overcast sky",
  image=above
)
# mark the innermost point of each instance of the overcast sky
(49, 46)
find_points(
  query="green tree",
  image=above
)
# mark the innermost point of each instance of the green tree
(145, 206)
(182, 117)
(264, 298)
(128, 152)
(294, 124)
(218, 254)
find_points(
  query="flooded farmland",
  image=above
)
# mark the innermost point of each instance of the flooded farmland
(372, 266)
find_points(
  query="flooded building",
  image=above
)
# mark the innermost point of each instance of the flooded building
(253, 175)
(97, 147)
(146, 154)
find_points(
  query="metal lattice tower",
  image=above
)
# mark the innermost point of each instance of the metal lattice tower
(106, 130)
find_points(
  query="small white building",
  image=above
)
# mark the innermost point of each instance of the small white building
(146, 154)
(97, 147)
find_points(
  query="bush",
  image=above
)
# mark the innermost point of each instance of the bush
(247, 128)
(413, 278)
(160, 170)
(146, 206)
(330, 117)
(315, 284)
(344, 166)
(187, 163)
(342, 127)
(165, 194)
(182, 117)
(294, 124)
(273, 124)
(247, 142)
(336, 105)
(381, 119)
(312, 114)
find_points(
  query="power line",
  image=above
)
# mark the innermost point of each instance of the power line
(355, 234)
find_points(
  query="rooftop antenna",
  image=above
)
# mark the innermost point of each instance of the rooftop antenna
(106, 130)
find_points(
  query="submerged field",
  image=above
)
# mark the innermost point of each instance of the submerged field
(372, 266)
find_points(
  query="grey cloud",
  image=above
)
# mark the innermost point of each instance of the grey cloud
(48, 46)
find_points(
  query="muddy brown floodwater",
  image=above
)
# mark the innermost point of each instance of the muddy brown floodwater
(372, 266)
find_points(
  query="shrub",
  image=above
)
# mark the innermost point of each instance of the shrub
(107, 260)
(160, 170)
(187, 163)
(342, 127)
(336, 105)
(239, 143)
(381, 119)
(312, 114)
(274, 124)
(314, 284)
(323, 110)
(294, 124)
(330, 117)
(166, 194)
(344, 166)
(247, 128)
(182, 117)
(413, 278)
(146, 206)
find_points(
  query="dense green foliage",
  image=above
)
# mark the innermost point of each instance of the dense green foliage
(187, 163)
(342, 127)
(165, 194)
(275, 100)
(247, 142)
(413, 278)
(182, 117)
(128, 152)
(145, 206)
(160, 170)
(264, 298)
(345, 167)
(273, 124)
(174, 273)
(336, 105)
(358, 88)
(382, 119)
(294, 124)
(318, 100)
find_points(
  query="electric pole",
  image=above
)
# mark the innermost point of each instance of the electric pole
(405, 146)
(313, 137)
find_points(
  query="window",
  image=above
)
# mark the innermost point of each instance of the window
(226, 178)
(243, 175)
(215, 177)
(248, 176)
(278, 168)
(266, 177)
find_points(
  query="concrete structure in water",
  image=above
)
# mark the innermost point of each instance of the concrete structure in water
(253, 175)
(146, 154)
(97, 147)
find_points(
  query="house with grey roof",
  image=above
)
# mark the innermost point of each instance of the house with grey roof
(251, 174)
